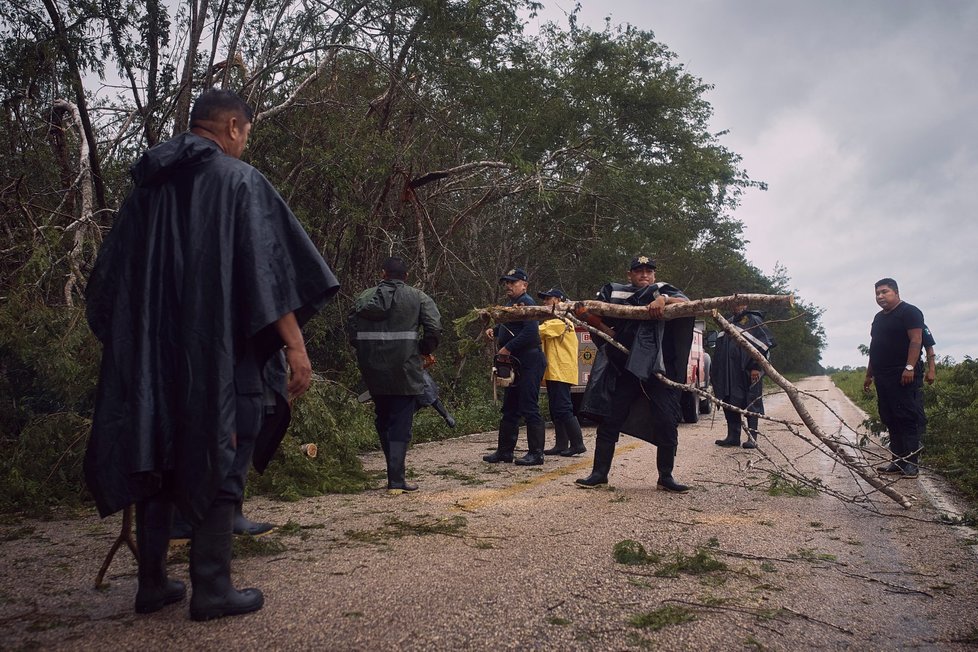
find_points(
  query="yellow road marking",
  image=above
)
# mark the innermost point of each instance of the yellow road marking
(489, 497)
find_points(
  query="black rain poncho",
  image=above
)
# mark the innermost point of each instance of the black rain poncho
(655, 346)
(203, 258)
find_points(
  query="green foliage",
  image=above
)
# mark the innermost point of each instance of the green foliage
(699, 563)
(662, 617)
(951, 404)
(781, 486)
(632, 553)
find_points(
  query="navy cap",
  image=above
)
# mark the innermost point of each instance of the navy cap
(515, 274)
(553, 292)
(641, 261)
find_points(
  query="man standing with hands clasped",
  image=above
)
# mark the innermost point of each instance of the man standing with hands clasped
(895, 367)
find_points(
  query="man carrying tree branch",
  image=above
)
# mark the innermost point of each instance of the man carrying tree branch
(623, 393)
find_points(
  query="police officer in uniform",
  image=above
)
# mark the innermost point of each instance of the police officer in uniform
(521, 341)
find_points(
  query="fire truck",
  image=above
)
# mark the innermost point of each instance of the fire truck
(697, 372)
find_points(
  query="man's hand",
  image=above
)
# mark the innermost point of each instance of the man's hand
(906, 377)
(428, 360)
(930, 376)
(300, 376)
(755, 376)
(657, 307)
(489, 334)
(867, 383)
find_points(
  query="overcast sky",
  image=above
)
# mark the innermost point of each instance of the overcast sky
(862, 116)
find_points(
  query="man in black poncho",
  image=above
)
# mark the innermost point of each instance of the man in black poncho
(623, 393)
(737, 377)
(204, 278)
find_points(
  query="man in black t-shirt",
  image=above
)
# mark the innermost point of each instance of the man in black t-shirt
(895, 366)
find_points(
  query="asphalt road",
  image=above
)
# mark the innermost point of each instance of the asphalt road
(509, 558)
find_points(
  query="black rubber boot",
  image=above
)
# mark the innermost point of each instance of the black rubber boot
(573, 429)
(508, 434)
(180, 528)
(604, 452)
(152, 541)
(210, 569)
(733, 436)
(536, 438)
(440, 409)
(665, 457)
(395, 469)
(560, 440)
(244, 525)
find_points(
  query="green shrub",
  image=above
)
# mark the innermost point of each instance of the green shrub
(951, 404)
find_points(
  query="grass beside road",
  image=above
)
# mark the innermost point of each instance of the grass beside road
(951, 404)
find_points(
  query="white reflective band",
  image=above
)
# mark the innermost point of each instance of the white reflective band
(756, 342)
(383, 335)
(620, 294)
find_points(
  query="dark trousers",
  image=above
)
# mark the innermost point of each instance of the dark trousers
(248, 421)
(394, 417)
(901, 409)
(522, 399)
(663, 400)
(735, 419)
(559, 397)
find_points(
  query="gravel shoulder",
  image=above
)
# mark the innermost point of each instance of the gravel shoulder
(508, 558)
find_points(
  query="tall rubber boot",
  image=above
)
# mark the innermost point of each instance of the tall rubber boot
(560, 440)
(508, 434)
(244, 525)
(733, 436)
(152, 541)
(395, 469)
(604, 452)
(665, 457)
(536, 438)
(573, 429)
(210, 569)
(440, 409)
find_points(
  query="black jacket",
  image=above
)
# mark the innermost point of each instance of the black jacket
(731, 365)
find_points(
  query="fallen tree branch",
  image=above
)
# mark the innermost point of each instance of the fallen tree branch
(672, 311)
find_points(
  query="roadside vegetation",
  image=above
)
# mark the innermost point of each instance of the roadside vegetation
(951, 404)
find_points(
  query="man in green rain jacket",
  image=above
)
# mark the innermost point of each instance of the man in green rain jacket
(383, 327)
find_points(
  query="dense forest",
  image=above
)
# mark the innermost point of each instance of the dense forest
(439, 130)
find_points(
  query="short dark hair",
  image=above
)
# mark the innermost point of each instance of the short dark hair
(395, 267)
(889, 282)
(215, 102)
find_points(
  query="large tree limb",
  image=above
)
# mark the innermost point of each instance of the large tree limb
(672, 311)
(806, 417)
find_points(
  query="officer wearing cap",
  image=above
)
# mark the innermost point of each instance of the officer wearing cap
(655, 346)
(560, 347)
(521, 341)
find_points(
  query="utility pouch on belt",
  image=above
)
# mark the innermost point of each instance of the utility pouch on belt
(504, 370)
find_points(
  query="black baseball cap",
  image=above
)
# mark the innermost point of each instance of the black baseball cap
(515, 274)
(553, 292)
(641, 261)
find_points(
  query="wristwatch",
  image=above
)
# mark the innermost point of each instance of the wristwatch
(909, 367)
